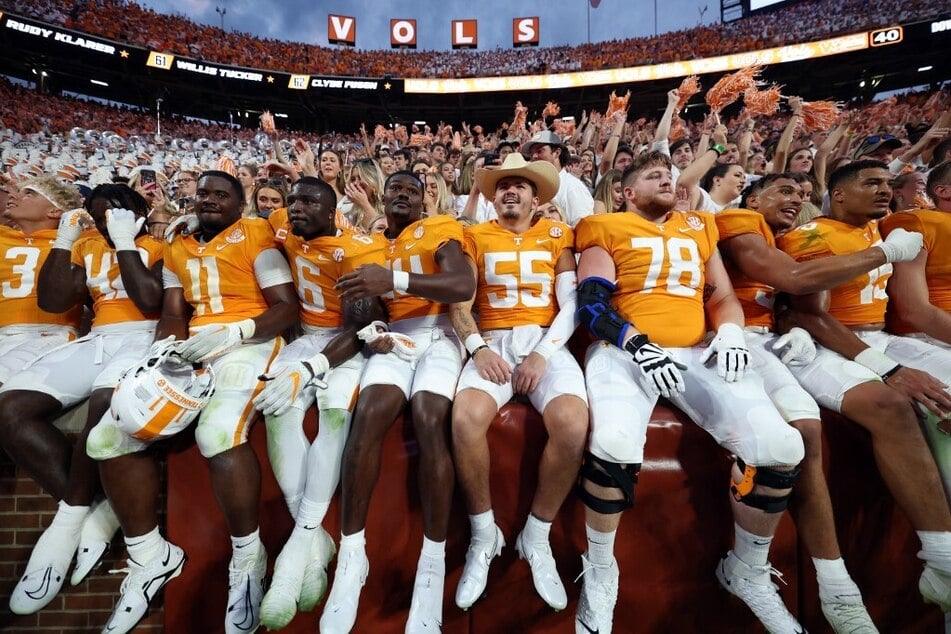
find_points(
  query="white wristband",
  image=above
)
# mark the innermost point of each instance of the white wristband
(319, 364)
(125, 244)
(474, 342)
(400, 281)
(878, 362)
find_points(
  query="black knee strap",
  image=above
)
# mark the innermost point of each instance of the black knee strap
(742, 491)
(608, 475)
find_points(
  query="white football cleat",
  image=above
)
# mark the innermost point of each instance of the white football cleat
(425, 611)
(314, 585)
(140, 587)
(98, 529)
(753, 586)
(847, 614)
(544, 573)
(245, 593)
(475, 575)
(935, 587)
(340, 613)
(45, 571)
(280, 603)
(598, 595)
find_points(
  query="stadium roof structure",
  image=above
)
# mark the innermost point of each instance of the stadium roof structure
(854, 66)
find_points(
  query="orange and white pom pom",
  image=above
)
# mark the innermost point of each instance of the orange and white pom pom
(761, 103)
(616, 104)
(521, 116)
(552, 109)
(819, 115)
(731, 86)
(689, 87)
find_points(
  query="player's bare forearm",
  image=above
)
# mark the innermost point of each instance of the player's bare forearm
(144, 286)
(60, 285)
(460, 315)
(282, 311)
(824, 328)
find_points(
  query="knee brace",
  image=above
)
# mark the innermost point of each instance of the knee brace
(595, 310)
(742, 491)
(609, 475)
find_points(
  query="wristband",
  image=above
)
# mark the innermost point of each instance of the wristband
(473, 353)
(636, 342)
(878, 362)
(400, 281)
(474, 342)
(719, 149)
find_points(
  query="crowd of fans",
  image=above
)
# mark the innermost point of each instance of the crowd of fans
(805, 21)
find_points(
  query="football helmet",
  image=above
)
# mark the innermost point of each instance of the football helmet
(161, 395)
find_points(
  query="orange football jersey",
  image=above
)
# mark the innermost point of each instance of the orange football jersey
(935, 226)
(755, 297)
(218, 276)
(863, 299)
(414, 251)
(21, 258)
(660, 270)
(111, 303)
(316, 265)
(516, 283)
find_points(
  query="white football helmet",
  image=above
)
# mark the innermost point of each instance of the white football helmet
(161, 395)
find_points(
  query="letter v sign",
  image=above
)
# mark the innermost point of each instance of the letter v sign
(341, 29)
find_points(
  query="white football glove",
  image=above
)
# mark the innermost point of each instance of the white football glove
(661, 370)
(800, 349)
(901, 245)
(184, 225)
(71, 226)
(283, 387)
(403, 346)
(123, 227)
(212, 341)
(733, 357)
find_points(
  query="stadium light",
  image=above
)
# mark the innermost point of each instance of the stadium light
(925, 68)
(280, 115)
(98, 83)
(419, 123)
(862, 84)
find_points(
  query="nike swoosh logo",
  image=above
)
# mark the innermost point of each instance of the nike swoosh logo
(540, 241)
(220, 247)
(409, 246)
(321, 258)
(248, 621)
(168, 556)
(686, 229)
(44, 586)
(585, 626)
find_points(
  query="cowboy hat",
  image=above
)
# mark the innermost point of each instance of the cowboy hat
(540, 173)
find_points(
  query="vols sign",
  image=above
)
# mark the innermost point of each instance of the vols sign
(342, 29)
(525, 32)
(465, 34)
(402, 33)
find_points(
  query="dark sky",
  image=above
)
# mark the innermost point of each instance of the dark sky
(562, 21)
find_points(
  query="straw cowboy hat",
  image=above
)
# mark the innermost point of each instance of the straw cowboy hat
(541, 173)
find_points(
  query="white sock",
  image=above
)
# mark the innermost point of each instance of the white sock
(101, 523)
(310, 513)
(352, 543)
(834, 580)
(246, 547)
(936, 549)
(69, 518)
(536, 531)
(483, 526)
(293, 504)
(145, 548)
(600, 546)
(753, 550)
(432, 558)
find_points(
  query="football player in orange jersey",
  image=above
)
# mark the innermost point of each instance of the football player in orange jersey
(875, 378)
(670, 280)
(525, 298)
(427, 271)
(757, 270)
(118, 267)
(919, 291)
(228, 296)
(26, 331)
(327, 357)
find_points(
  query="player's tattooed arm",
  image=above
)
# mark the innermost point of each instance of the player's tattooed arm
(708, 291)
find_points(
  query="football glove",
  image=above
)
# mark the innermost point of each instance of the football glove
(403, 346)
(184, 225)
(733, 357)
(800, 349)
(901, 245)
(71, 225)
(211, 341)
(659, 368)
(284, 386)
(123, 227)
